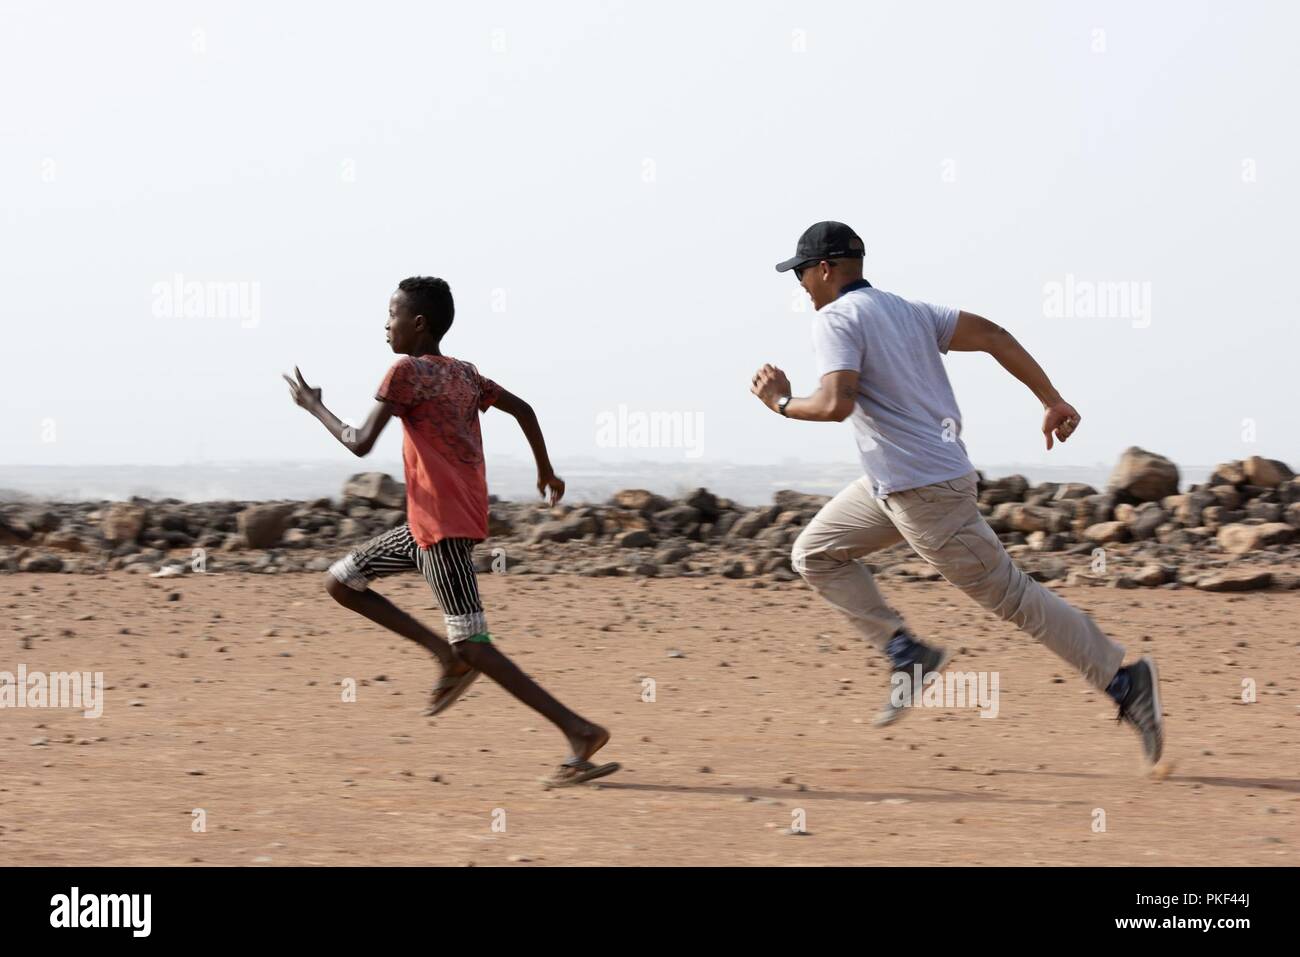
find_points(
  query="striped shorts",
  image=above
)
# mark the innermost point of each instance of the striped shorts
(446, 566)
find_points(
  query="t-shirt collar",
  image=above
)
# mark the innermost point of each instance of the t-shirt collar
(856, 284)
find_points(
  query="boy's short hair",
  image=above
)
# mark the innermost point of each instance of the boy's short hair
(430, 297)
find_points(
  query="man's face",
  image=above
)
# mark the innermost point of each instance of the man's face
(402, 329)
(819, 280)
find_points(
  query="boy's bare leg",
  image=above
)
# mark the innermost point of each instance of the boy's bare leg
(584, 737)
(381, 611)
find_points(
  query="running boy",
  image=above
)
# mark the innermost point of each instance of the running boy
(439, 399)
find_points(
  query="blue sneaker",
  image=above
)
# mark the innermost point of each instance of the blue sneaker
(1141, 707)
(902, 690)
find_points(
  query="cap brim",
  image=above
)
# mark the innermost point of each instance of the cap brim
(790, 263)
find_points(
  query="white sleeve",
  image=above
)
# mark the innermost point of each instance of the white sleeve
(837, 343)
(944, 321)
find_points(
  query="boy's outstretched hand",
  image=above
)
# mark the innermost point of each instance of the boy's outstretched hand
(302, 393)
(551, 487)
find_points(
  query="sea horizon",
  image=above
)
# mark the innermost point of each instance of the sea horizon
(510, 479)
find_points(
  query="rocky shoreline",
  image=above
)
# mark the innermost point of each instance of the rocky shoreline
(1238, 531)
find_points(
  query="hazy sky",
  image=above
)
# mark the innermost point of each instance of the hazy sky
(607, 186)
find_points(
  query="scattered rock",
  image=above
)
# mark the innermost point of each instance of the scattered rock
(1235, 581)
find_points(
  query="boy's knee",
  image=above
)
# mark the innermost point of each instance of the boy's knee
(340, 592)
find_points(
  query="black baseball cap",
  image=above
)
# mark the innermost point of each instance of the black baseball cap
(828, 240)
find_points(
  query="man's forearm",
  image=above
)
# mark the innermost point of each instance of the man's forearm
(813, 408)
(1011, 355)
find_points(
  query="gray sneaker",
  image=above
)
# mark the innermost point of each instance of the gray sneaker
(1141, 707)
(931, 659)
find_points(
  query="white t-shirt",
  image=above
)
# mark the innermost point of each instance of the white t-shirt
(906, 420)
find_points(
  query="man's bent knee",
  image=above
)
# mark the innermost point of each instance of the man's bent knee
(799, 553)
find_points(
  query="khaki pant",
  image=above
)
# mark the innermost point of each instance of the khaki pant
(942, 523)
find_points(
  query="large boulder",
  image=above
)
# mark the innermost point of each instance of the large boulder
(1267, 473)
(1147, 517)
(787, 499)
(1228, 473)
(1013, 516)
(499, 523)
(74, 537)
(41, 563)
(262, 526)
(1239, 538)
(1264, 511)
(1225, 495)
(751, 523)
(704, 502)
(1072, 490)
(1217, 515)
(639, 500)
(14, 532)
(1191, 510)
(676, 519)
(638, 538)
(123, 522)
(376, 488)
(1092, 509)
(1010, 488)
(1144, 476)
(577, 524)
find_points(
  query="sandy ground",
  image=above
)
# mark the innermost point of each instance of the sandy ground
(228, 699)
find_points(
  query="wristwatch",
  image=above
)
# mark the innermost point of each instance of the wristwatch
(782, 403)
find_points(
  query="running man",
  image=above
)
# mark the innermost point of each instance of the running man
(439, 400)
(878, 356)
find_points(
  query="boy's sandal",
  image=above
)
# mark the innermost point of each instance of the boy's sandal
(576, 772)
(448, 689)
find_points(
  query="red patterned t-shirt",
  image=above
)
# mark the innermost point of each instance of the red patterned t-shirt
(439, 399)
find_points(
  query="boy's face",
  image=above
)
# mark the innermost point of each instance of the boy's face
(402, 329)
